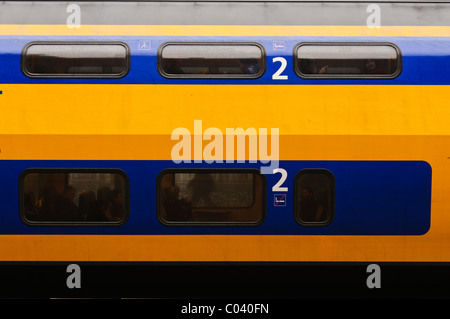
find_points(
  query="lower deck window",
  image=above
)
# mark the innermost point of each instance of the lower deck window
(314, 197)
(211, 197)
(73, 197)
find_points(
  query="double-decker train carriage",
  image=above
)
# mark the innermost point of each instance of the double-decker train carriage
(171, 144)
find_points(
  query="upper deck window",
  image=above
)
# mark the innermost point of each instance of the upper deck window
(347, 60)
(75, 60)
(211, 60)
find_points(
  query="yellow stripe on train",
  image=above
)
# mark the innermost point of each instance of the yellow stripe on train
(223, 248)
(226, 30)
(158, 109)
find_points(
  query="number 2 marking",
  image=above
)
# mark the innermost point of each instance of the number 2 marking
(277, 75)
(277, 187)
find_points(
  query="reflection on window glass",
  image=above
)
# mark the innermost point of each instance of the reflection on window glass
(209, 197)
(360, 60)
(314, 193)
(75, 60)
(74, 197)
(197, 60)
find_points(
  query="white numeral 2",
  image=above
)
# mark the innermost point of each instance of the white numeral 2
(276, 187)
(276, 75)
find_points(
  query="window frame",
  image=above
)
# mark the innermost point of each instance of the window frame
(348, 76)
(215, 223)
(32, 75)
(298, 175)
(126, 195)
(211, 76)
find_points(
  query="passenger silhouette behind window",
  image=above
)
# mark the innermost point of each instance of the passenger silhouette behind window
(249, 66)
(172, 66)
(176, 208)
(31, 211)
(202, 185)
(47, 209)
(118, 207)
(86, 204)
(371, 67)
(311, 210)
(309, 66)
(65, 208)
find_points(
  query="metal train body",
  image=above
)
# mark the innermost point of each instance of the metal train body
(385, 140)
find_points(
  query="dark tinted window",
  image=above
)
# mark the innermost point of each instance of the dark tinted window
(314, 197)
(347, 60)
(73, 197)
(199, 197)
(75, 60)
(211, 60)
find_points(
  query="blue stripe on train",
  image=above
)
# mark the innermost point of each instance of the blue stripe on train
(426, 60)
(372, 198)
